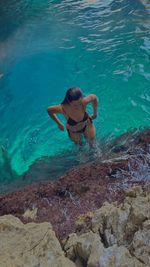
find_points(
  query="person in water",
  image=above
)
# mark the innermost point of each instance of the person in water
(73, 107)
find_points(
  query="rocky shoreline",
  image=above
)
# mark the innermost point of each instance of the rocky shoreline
(114, 235)
(86, 190)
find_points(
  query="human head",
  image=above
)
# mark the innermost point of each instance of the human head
(72, 94)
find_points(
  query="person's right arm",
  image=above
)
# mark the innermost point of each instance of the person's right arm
(52, 111)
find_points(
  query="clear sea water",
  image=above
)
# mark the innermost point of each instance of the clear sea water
(101, 46)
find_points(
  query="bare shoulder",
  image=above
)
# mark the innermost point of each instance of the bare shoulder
(55, 109)
(89, 98)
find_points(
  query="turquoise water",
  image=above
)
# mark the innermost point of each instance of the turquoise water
(46, 46)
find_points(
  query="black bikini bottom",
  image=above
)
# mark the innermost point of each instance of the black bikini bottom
(82, 130)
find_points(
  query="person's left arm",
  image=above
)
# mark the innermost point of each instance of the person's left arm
(94, 100)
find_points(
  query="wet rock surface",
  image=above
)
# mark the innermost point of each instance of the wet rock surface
(84, 189)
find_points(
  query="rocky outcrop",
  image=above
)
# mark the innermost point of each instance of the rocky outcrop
(111, 226)
(29, 245)
(140, 246)
(117, 224)
(115, 235)
(125, 164)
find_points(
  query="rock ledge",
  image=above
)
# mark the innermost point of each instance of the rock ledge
(116, 235)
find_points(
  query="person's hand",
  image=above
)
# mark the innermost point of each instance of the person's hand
(94, 116)
(61, 127)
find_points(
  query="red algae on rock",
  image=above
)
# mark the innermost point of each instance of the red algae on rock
(79, 191)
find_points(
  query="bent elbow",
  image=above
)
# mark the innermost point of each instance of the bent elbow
(95, 98)
(49, 111)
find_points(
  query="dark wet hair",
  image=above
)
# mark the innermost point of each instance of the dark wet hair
(72, 94)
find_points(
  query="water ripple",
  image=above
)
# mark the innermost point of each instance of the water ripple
(46, 46)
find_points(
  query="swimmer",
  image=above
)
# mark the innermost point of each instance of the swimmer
(73, 107)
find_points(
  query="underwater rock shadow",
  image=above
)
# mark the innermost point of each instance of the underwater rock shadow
(49, 168)
(133, 147)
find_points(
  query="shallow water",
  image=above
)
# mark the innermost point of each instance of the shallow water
(46, 47)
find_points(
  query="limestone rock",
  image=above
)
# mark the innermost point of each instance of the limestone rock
(113, 256)
(111, 222)
(141, 244)
(140, 212)
(88, 244)
(119, 235)
(115, 236)
(70, 246)
(117, 224)
(134, 191)
(146, 225)
(82, 246)
(84, 222)
(31, 214)
(29, 245)
(89, 251)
